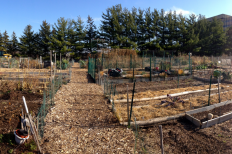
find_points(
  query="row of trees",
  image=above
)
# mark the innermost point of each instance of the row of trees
(138, 29)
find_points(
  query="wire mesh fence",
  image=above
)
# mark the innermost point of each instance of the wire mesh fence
(48, 98)
(170, 99)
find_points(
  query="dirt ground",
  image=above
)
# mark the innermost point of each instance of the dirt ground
(154, 85)
(10, 110)
(181, 137)
(202, 116)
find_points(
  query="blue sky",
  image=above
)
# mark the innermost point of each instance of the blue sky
(16, 14)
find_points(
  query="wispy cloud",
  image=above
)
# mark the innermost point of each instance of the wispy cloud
(181, 11)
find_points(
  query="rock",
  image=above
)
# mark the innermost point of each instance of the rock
(210, 116)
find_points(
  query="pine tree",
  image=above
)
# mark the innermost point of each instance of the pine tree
(218, 37)
(29, 42)
(59, 38)
(1, 43)
(228, 45)
(13, 47)
(107, 27)
(44, 35)
(91, 33)
(78, 35)
(5, 41)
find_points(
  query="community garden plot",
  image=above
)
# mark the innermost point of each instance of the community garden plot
(147, 105)
(155, 86)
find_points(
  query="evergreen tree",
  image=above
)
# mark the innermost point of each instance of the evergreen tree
(5, 41)
(228, 45)
(107, 27)
(91, 33)
(29, 42)
(44, 35)
(1, 43)
(13, 47)
(218, 37)
(59, 38)
(78, 37)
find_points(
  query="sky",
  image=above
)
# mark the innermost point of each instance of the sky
(17, 14)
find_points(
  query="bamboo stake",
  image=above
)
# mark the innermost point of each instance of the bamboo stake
(161, 139)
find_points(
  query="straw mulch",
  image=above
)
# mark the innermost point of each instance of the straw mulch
(152, 109)
(148, 94)
(80, 121)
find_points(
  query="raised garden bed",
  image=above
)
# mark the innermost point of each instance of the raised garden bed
(148, 110)
(221, 112)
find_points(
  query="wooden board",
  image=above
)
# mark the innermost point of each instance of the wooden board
(193, 120)
(217, 120)
(207, 108)
(155, 120)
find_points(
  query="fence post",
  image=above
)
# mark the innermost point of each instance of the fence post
(209, 90)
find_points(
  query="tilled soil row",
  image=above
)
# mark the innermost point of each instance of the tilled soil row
(81, 122)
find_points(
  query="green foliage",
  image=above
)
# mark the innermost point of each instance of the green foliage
(10, 151)
(216, 73)
(199, 67)
(31, 145)
(29, 42)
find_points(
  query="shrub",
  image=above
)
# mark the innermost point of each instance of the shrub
(216, 74)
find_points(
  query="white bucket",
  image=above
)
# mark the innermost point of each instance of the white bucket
(20, 140)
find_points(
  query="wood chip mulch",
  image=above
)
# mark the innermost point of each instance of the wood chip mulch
(81, 122)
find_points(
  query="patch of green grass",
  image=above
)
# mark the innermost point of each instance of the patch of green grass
(219, 135)
(224, 141)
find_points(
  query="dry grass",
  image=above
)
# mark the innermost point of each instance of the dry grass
(151, 109)
(149, 94)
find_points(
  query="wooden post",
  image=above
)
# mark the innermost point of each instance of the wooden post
(161, 139)
(127, 105)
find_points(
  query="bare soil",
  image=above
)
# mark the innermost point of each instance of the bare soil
(10, 110)
(202, 116)
(182, 137)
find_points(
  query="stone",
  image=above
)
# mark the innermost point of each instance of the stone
(210, 116)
